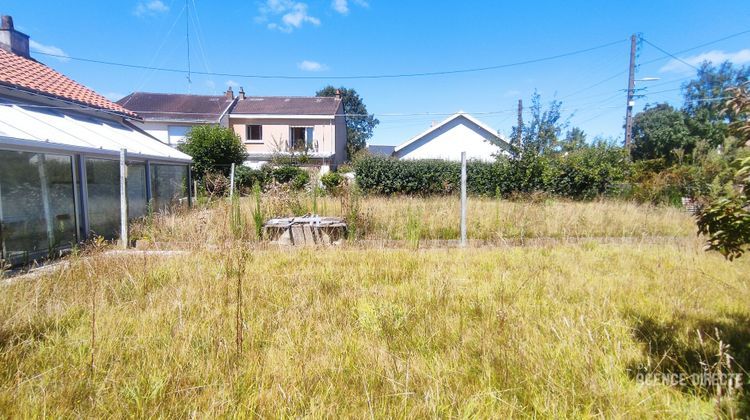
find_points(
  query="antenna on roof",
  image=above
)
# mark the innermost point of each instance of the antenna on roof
(187, 38)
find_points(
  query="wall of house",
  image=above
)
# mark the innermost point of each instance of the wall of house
(161, 130)
(341, 155)
(448, 141)
(275, 134)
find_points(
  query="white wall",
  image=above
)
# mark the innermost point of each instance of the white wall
(161, 131)
(447, 142)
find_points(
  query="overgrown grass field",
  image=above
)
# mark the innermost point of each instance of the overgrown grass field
(564, 331)
(434, 218)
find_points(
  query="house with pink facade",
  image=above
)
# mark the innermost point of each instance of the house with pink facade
(268, 126)
(284, 126)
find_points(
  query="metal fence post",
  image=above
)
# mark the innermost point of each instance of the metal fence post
(463, 199)
(231, 182)
(123, 199)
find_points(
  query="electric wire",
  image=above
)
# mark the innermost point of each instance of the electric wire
(348, 77)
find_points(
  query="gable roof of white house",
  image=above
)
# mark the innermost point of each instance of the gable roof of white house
(491, 133)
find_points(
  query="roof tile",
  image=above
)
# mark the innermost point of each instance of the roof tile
(29, 74)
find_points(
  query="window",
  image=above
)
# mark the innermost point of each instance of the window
(301, 139)
(254, 132)
(177, 134)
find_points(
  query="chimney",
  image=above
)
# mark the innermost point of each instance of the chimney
(338, 93)
(229, 94)
(11, 40)
(242, 94)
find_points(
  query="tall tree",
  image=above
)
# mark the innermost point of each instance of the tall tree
(359, 123)
(541, 134)
(660, 132)
(704, 99)
(575, 139)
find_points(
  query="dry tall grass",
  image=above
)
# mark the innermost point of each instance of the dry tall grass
(547, 332)
(403, 218)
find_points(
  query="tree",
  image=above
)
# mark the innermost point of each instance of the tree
(542, 133)
(726, 218)
(703, 100)
(575, 139)
(213, 148)
(359, 123)
(660, 132)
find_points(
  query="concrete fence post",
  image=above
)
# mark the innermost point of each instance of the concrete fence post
(463, 199)
(123, 199)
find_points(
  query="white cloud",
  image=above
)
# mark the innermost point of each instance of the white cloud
(739, 57)
(49, 49)
(342, 6)
(150, 8)
(307, 65)
(292, 15)
(232, 84)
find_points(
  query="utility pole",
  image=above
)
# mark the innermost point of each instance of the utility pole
(631, 93)
(519, 130)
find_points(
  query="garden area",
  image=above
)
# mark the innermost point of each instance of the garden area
(585, 289)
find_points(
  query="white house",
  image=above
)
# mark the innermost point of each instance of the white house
(446, 140)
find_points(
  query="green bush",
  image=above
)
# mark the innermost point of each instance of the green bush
(245, 178)
(285, 174)
(586, 173)
(300, 180)
(297, 177)
(213, 149)
(332, 182)
(582, 174)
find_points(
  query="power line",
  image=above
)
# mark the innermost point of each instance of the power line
(187, 40)
(199, 34)
(375, 76)
(716, 41)
(669, 54)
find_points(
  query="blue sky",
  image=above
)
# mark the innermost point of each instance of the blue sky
(364, 37)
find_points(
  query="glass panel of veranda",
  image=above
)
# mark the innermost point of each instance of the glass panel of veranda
(37, 205)
(169, 186)
(103, 185)
(137, 204)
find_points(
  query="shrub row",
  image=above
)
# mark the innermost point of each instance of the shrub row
(246, 178)
(582, 174)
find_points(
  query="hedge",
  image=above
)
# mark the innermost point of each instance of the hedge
(582, 174)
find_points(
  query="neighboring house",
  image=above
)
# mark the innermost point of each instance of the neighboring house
(381, 150)
(169, 116)
(60, 146)
(446, 140)
(281, 126)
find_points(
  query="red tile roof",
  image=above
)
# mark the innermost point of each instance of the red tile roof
(31, 75)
